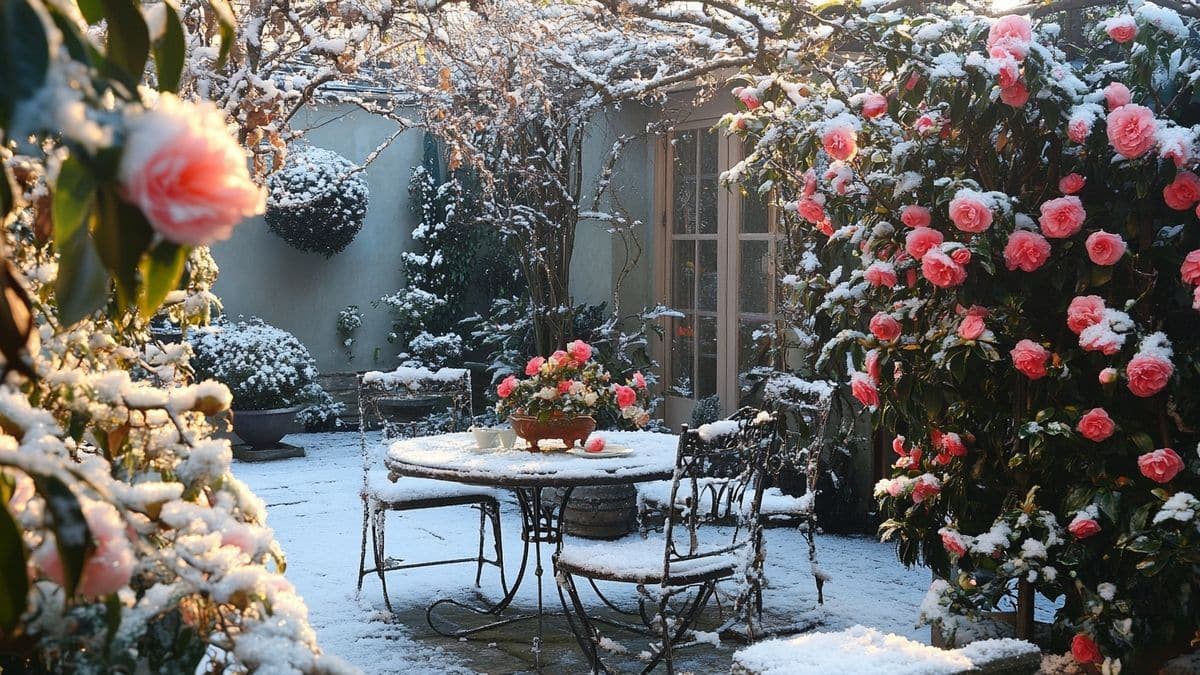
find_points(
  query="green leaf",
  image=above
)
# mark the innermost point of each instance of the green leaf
(128, 44)
(122, 235)
(24, 55)
(162, 269)
(82, 285)
(77, 47)
(71, 532)
(228, 27)
(169, 51)
(92, 10)
(1109, 501)
(14, 581)
(1143, 442)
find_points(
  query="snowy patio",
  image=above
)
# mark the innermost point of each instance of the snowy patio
(314, 509)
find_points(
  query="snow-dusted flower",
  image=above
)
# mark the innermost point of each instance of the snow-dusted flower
(1030, 358)
(970, 211)
(1131, 130)
(1062, 217)
(1160, 465)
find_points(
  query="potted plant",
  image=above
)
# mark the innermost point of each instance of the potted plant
(561, 394)
(271, 374)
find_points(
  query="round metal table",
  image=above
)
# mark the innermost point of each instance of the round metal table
(455, 458)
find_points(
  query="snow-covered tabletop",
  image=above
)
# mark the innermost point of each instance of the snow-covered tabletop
(455, 457)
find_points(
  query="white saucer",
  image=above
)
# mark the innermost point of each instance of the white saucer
(608, 451)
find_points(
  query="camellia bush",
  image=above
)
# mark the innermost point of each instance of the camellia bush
(996, 241)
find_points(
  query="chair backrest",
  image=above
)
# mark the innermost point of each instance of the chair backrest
(377, 389)
(722, 465)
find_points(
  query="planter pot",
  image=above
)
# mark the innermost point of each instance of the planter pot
(264, 427)
(569, 430)
(600, 512)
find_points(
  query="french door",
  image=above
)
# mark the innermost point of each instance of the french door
(716, 262)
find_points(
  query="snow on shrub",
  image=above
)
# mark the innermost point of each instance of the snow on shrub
(265, 367)
(318, 201)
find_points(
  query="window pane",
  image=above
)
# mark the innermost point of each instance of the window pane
(754, 213)
(708, 152)
(685, 153)
(706, 368)
(684, 206)
(754, 276)
(683, 336)
(754, 342)
(707, 269)
(683, 275)
(707, 215)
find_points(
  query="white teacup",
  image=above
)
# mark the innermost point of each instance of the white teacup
(486, 438)
(508, 438)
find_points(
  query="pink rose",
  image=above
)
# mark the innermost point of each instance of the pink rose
(1008, 71)
(748, 97)
(1104, 248)
(884, 327)
(626, 396)
(972, 327)
(871, 364)
(1101, 338)
(1011, 33)
(1084, 311)
(1131, 130)
(1096, 425)
(1082, 528)
(1176, 147)
(918, 242)
(594, 444)
(941, 270)
(186, 173)
(1117, 95)
(1071, 183)
(952, 543)
(961, 255)
(1062, 217)
(811, 209)
(1026, 251)
(925, 487)
(873, 105)
(915, 216)
(864, 389)
(1030, 358)
(840, 141)
(534, 365)
(1016, 96)
(1148, 374)
(969, 211)
(1121, 29)
(952, 444)
(880, 274)
(1084, 650)
(1183, 192)
(565, 386)
(1189, 271)
(1078, 130)
(1161, 465)
(1108, 376)
(580, 351)
(506, 386)
(639, 380)
(109, 566)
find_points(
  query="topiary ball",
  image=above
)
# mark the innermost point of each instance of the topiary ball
(318, 201)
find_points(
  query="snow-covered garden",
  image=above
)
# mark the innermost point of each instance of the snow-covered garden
(756, 336)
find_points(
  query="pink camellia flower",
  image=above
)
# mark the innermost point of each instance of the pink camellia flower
(1084, 311)
(972, 326)
(1008, 71)
(1183, 192)
(1030, 358)
(1078, 130)
(186, 173)
(639, 380)
(873, 105)
(1117, 95)
(1011, 33)
(1096, 425)
(915, 216)
(951, 444)
(841, 142)
(885, 327)
(1084, 649)
(594, 444)
(918, 242)
(880, 274)
(1148, 374)
(1189, 271)
(1196, 299)
(1108, 375)
(926, 124)
(1121, 29)
(1176, 147)
(626, 396)
(941, 270)
(1071, 183)
(961, 255)
(1062, 217)
(864, 389)
(1104, 248)
(811, 209)
(534, 365)
(1160, 466)
(565, 386)
(952, 542)
(580, 351)
(1083, 527)
(925, 487)
(970, 212)
(748, 97)
(506, 386)
(1026, 251)
(913, 80)
(1131, 130)
(109, 566)
(871, 364)
(1016, 96)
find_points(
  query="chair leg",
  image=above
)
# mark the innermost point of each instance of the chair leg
(362, 549)
(585, 633)
(498, 541)
(479, 556)
(378, 524)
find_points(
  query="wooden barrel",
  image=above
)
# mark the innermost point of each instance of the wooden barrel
(602, 512)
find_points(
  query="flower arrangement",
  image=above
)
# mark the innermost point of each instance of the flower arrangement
(570, 383)
(318, 201)
(997, 248)
(265, 367)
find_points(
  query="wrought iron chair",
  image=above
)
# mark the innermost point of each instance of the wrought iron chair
(681, 564)
(380, 495)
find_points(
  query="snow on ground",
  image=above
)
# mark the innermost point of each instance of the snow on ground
(314, 508)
